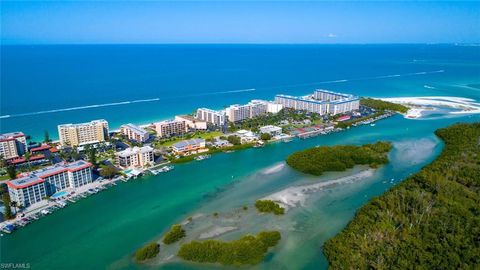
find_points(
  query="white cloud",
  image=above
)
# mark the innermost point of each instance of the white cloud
(331, 35)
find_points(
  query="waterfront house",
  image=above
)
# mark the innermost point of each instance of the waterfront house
(272, 130)
(189, 147)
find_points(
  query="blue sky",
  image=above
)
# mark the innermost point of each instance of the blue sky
(41, 22)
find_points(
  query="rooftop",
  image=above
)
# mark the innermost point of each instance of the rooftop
(188, 142)
(85, 123)
(134, 150)
(11, 136)
(135, 128)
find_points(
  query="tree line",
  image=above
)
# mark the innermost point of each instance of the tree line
(429, 221)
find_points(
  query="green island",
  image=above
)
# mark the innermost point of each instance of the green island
(268, 206)
(382, 105)
(431, 220)
(176, 233)
(318, 160)
(248, 250)
(147, 252)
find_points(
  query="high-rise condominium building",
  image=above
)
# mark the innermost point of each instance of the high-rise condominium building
(214, 117)
(12, 145)
(84, 133)
(322, 102)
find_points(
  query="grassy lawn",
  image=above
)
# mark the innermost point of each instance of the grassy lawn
(202, 135)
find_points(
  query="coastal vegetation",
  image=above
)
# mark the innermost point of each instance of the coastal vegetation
(269, 206)
(321, 159)
(176, 233)
(248, 250)
(348, 123)
(7, 211)
(212, 151)
(108, 171)
(381, 105)
(207, 135)
(147, 252)
(286, 114)
(431, 220)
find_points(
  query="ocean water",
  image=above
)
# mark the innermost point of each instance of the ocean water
(44, 86)
(103, 231)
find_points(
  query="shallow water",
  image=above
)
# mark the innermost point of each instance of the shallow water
(108, 227)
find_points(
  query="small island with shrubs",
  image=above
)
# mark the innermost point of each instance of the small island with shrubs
(321, 159)
(176, 233)
(381, 105)
(248, 250)
(147, 252)
(268, 206)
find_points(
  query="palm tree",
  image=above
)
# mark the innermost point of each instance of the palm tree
(14, 204)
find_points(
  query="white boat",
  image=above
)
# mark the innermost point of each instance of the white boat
(201, 157)
(45, 212)
(166, 169)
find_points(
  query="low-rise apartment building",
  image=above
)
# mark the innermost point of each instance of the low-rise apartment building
(272, 130)
(33, 187)
(83, 133)
(135, 157)
(133, 132)
(12, 145)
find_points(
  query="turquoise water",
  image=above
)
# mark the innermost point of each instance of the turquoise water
(103, 231)
(44, 86)
(59, 194)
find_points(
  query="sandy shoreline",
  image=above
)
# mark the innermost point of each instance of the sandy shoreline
(297, 195)
(419, 104)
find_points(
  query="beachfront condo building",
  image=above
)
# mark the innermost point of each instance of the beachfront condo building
(35, 186)
(135, 133)
(12, 145)
(189, 146)
(135, 157)
(169, 128)
(84, 133)
(252, 109)
(192, 122)
(237, 112)
(338, 103)
(321, 102)
(214, 117)
(302, 103)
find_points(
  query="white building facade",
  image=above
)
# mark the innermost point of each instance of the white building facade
(214, 117)
(35, 186)
(135, 157)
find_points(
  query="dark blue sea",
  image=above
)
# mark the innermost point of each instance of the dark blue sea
(46, 85)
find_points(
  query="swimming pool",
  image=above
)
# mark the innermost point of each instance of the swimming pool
(59, 194)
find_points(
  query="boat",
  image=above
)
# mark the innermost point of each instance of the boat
(166, 169)
(8, 228)
(201, 157)
(372, 125)
(45, 212)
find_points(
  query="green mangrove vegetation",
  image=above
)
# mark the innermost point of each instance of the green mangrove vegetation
(176, 233)
(381, 105)
(147, 252)
(318, 160)
(429, 221)
(268, 206)
(248, 250)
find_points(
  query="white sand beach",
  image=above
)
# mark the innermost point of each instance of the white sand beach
(419, 104)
